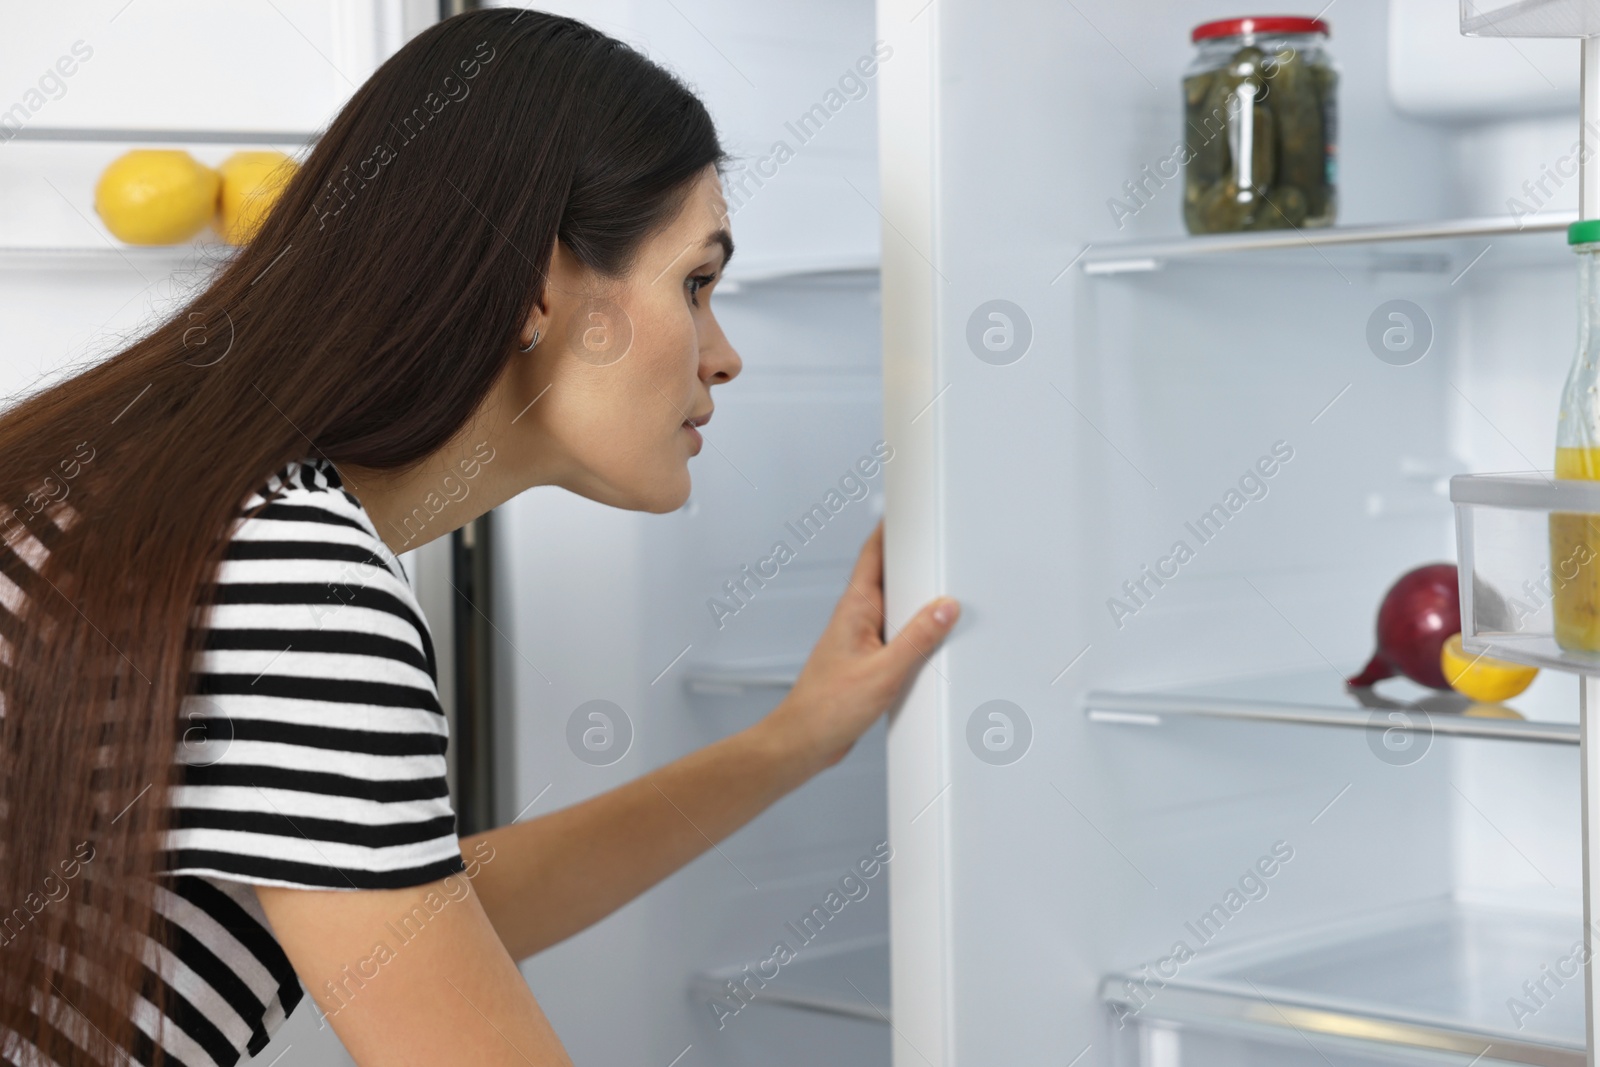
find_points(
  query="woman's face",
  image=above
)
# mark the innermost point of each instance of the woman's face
(620, 367)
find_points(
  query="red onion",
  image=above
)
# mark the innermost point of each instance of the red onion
(1419, 613)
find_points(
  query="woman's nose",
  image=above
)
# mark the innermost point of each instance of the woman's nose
(723, 362)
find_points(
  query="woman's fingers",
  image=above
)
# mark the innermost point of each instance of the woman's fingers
(869, 561)
(906, 650)
(916, 641)
(864, 594)
(853, 674)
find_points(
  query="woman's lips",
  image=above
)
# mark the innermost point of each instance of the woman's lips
(690, 424)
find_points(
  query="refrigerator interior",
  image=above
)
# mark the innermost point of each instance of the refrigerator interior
(1143, 827)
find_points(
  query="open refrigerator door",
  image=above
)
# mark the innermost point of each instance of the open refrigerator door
(1139, 815)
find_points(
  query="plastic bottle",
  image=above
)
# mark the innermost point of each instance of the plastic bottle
(1575, 538)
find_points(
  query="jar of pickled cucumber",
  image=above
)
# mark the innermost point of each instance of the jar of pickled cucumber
(1575, 539)
(1259, 125)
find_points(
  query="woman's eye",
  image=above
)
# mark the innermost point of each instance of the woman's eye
(697, 283)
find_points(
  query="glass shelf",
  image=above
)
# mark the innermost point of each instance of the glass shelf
(741, 677)
(755, 274)
(158, 136)
(1546, 712)
(111, 257)
(1430, 979)
(837, 273)
(1446, 246)
(850, 979)
(1530, 18)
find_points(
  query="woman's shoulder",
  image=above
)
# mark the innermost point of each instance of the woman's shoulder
(313, 484)
(303, 541)
(303, 508)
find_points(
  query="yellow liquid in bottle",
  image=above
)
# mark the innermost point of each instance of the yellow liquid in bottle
(1575, 560)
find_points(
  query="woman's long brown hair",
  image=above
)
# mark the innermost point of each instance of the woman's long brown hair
(364, 323)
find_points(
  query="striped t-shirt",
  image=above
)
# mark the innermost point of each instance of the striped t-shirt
(313, 753)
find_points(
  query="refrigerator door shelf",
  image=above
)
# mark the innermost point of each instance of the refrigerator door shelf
(848, 979)
(1438, 982)
(171, 135)
(1446, 247)
(1202, 1032)
(740, 678)
(1528, 549)
(1529, 18)
(838, 270)
(1320, 698)
(188, 262)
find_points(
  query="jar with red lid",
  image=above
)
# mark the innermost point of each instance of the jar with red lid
(1259, 126)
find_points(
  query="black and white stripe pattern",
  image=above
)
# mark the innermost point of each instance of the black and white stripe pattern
(313, 752)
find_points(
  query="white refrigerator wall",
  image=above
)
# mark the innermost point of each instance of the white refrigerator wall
(1139, 401)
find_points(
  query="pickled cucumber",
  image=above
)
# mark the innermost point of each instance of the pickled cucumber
(1282, 207)
(1289, 178)
(1207, 127)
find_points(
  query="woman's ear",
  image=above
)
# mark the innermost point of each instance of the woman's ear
(563, 275)
(533, 330)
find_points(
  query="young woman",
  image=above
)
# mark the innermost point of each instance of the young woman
(222, 755)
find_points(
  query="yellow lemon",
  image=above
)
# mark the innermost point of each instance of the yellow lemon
(1484, 679)
(251, 182)
(156, 196)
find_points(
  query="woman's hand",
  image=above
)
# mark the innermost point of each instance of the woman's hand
(558, 873)
(852, 675)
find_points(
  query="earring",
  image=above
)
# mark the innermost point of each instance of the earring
(529, 346)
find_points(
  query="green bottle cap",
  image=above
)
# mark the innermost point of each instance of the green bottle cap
(1583, 232)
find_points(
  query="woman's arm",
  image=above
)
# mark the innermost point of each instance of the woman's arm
(555, 875)
(412, 976)
(552, 876)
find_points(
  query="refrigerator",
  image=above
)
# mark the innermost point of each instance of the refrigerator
(1135, 815)
(1128, 813)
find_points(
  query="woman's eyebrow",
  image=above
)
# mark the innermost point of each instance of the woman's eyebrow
(725, 239)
